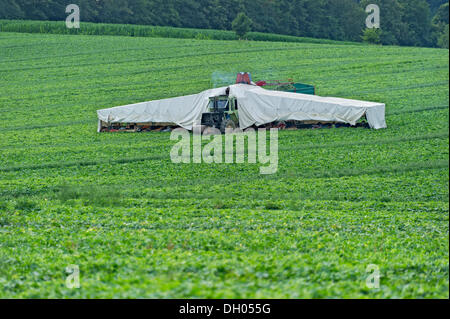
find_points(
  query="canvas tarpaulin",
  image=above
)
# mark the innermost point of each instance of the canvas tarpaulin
(256, 106)
(183, 111)
(259, 106)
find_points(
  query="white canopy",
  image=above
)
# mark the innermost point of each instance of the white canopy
(255, 106)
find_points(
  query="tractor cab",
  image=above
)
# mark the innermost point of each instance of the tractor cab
(222, 113)
(219, 104)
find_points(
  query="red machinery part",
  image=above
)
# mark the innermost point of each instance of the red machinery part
(244, 78)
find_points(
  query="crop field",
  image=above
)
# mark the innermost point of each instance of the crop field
(139, 226)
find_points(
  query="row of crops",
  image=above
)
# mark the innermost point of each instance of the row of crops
(139, 225)
(132, 30)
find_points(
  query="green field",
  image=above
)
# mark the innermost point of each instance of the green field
(138, 225)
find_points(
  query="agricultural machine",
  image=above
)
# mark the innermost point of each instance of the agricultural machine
(258, 107)
(222, 110)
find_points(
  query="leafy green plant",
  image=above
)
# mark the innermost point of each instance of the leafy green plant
(372, 36)
(25, 204)
(91, 195)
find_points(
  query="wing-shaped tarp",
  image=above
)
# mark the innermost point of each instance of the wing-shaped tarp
(255, 106)
(259, 106)
(183, 110)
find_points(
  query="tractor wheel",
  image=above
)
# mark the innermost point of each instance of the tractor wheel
(227, 124)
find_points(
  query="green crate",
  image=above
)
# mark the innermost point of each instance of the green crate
(302, 88)
(296, 88)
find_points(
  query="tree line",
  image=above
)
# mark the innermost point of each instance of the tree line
(402, 22)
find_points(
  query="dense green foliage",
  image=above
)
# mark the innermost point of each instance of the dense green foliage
(241, 25)
(440, 25)
(372, 36)
(404, 22)
(140, 226)
(443, 39)
(435, 4)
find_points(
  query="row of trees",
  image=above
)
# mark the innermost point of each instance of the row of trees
(403, 22)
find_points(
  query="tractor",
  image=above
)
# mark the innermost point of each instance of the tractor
(222, 113)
